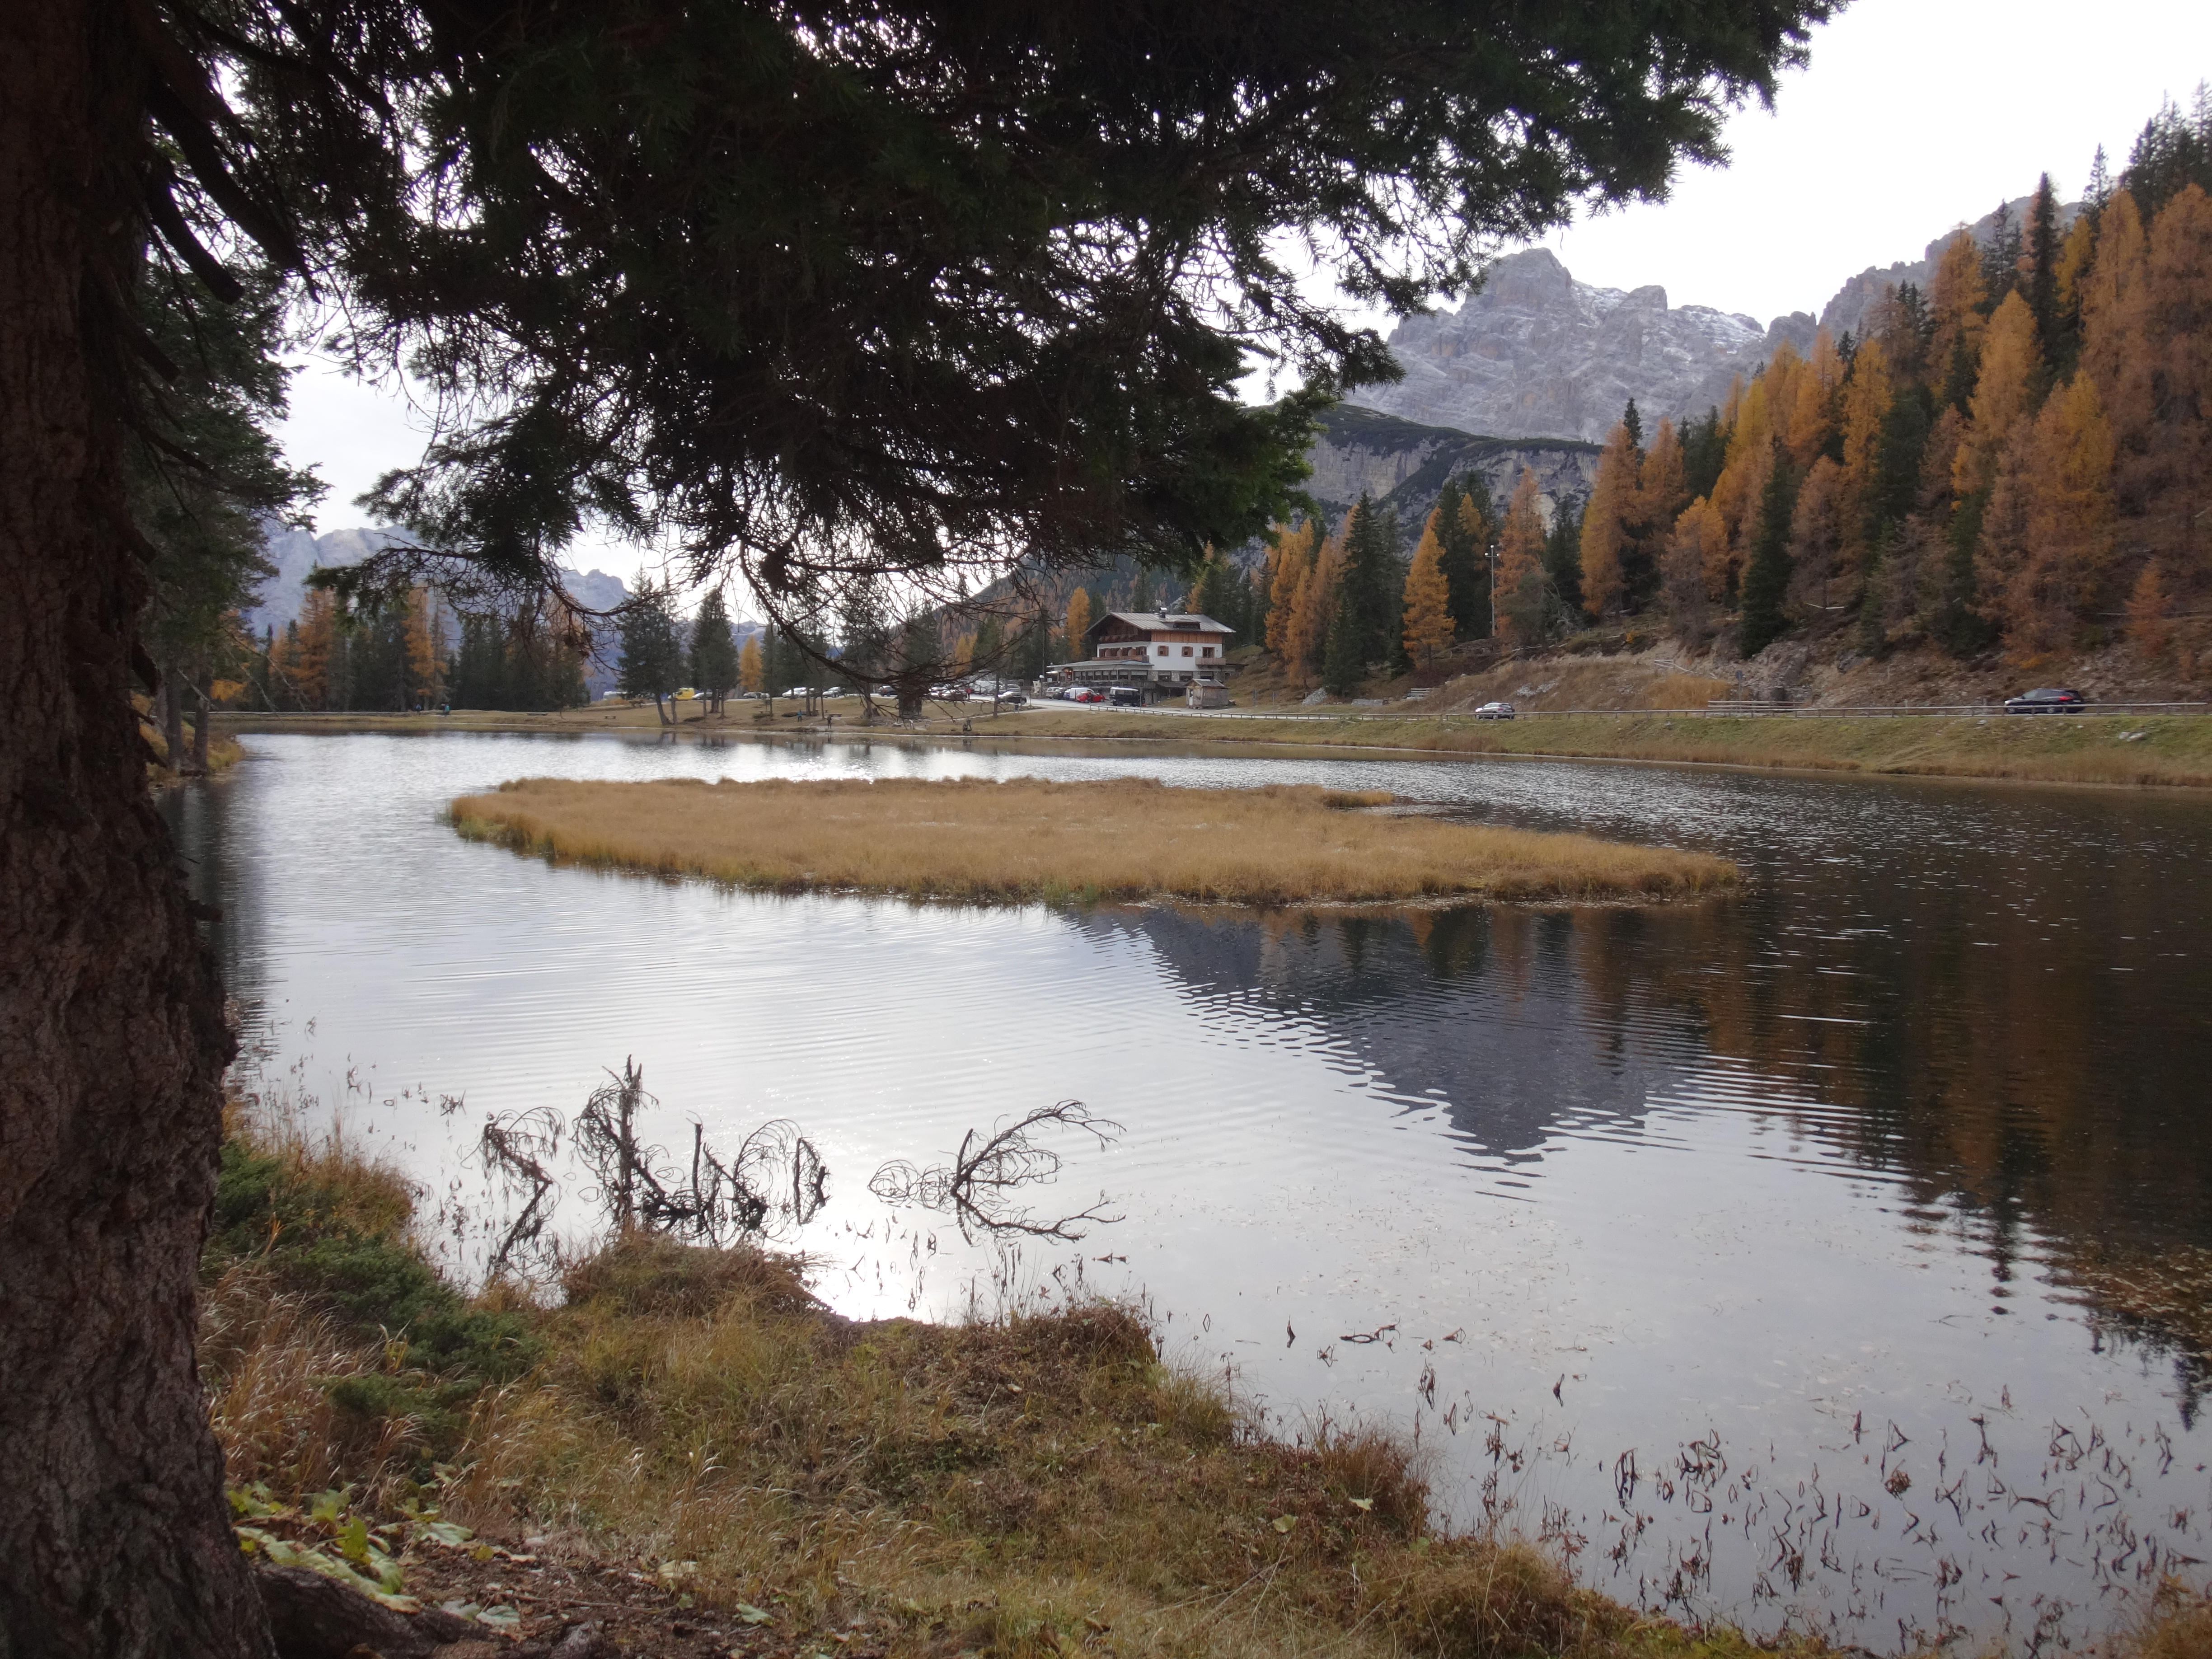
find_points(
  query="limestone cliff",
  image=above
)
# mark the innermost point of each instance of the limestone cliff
(1403, 464)
(1536, 354)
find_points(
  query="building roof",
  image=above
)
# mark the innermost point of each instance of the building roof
(1181, 622)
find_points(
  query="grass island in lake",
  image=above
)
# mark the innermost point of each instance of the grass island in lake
(1029, 838)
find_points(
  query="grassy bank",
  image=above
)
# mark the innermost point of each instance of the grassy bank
(1117, 838)
(2174, 750)
(2098, 749)
(717, 1465)
(682, 1445)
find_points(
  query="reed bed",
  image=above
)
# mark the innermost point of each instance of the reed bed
(1026, 838)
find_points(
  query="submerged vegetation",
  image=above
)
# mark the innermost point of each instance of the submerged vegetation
(1119, 838)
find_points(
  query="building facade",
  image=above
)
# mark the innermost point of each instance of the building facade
(1154, 651)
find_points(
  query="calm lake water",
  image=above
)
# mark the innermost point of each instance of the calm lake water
(1745, 1251)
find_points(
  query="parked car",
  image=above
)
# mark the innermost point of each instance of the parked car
(1012, 700)
(1494, 711)
(1086, 694)
(1126, 697)
(2046, 699)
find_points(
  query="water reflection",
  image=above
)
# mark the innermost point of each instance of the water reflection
(1787, 1176)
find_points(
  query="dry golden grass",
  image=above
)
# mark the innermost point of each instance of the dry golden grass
(1121, 838)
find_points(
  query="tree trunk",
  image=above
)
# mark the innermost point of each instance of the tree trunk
(172, 717)
(114, 1538)
(200, 732)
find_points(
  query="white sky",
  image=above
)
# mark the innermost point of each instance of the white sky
(1914, 115)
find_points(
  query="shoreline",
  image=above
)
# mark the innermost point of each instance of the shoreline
(2088, 750)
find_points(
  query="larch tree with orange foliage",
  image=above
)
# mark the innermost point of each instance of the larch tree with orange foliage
(2047, 545)
(420, 650)
(2150, 348)
(1524, 593)
(1605, 524)
(1816, 539)
(1289, 562)
(1955, 297)
(2150, 606)
(1697, 543)
(1662, 492)
(1078, 622)
(1813, 411)
(1428, 619)
(750, 674)
(1867, 393)
(310, 668)
(1307, 632)
(2004, 398)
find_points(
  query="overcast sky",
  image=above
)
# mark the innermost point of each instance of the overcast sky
(1914, 116)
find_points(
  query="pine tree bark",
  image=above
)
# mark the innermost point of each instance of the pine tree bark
(113, 1536)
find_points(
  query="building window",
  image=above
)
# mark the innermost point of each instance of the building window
(1207, 651)
(1186, 651)
(1163, 651)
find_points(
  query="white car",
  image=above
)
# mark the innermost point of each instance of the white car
(1494, 711)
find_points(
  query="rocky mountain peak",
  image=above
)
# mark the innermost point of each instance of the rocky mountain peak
(1536, 354)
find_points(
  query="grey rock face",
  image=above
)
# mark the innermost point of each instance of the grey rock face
(1855, 298)
(295, 553)
(1534, 353)
(1401, 466)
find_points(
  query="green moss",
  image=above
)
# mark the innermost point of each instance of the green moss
(348, 1246)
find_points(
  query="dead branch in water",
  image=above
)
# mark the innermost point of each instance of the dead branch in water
(974, 1188)
(777, 1177)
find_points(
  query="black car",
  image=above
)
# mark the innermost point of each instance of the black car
(2046, 699)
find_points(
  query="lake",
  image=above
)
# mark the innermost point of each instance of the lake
(1755, 1252)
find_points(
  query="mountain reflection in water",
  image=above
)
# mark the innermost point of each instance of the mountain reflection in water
(1738, 1209)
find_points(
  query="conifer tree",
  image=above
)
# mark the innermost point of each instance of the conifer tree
(713, 650)
(1767, 572)
(652, 661)
(1465, 530)
(1605, 525)
(1562, 558)
(750, 675)
(1705, 450)
(1523, 594)
(1368, 584)
(1634, 423)
(1429, 624)
(2042, 252)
